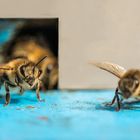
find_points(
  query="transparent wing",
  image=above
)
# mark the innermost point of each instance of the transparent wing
(110, 67)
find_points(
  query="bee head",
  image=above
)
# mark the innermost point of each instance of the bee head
(129, 83)
(30, 72)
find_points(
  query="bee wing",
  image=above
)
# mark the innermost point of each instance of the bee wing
(110, 67)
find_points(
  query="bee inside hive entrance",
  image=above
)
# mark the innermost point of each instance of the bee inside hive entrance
(32, 39)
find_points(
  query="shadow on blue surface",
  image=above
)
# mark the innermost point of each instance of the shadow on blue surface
(123, 107)
(67, 115)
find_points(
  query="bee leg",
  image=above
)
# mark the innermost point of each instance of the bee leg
(7, 98)
(112, 102)
(21, 90)
(118, 101)
(118, 104)
(38, 91)
(17, 83)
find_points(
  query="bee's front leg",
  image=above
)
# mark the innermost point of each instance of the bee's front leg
(38, 91)
(118, 103)
(21, 90)
(7, 97)
(118, 100)
(112, 102)
(17, 83)
(116, 97)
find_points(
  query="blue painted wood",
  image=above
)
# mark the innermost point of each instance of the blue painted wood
(67, 115)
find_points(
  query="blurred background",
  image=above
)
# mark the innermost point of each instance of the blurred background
(102, 30)
(32, 39)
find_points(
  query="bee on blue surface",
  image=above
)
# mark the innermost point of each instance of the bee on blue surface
(34, 38)
(128, 84)
(21, 73)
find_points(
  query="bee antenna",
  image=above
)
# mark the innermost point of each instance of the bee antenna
(39, 62)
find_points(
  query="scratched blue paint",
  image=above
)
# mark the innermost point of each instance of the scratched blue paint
(67, 115)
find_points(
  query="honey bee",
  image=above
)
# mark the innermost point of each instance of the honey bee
(33, 52)
(128, 84)
(33, 39)
(20, 73)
